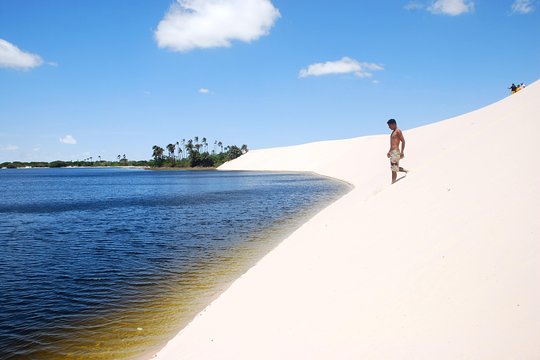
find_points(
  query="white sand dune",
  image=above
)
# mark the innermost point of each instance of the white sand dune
(445, 264)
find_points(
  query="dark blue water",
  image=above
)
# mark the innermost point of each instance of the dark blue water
(107, 264)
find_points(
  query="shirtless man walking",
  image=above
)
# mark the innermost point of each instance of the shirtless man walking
(394, 154)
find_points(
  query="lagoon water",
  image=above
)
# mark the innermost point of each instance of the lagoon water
(111, 263)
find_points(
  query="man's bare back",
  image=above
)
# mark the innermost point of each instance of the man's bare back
(395, 154)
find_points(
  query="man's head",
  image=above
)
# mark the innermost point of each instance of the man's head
(392, 124)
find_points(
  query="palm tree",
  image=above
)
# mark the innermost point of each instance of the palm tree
(119, 157)
(170, 149)
(99, 157)
(189, 147)
(179, 150)
(157, 154)
(205, 144)
(124, 159)
(244, 149)
(220, 145)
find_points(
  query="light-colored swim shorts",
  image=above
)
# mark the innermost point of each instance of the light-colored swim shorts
(395, 156)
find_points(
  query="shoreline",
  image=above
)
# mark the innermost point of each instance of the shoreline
(117, 167)
(181, 169)
(415, 268)
(77, 167)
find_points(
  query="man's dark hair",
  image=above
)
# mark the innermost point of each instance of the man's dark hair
(391, 121)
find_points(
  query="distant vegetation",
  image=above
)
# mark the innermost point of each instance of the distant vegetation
(192, 153)
(78, 163)
(182, 154)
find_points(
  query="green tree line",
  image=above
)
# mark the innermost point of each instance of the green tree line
(182, 154)
(194, 153)
(89, 162)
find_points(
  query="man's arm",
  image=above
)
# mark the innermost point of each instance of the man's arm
(402, 144)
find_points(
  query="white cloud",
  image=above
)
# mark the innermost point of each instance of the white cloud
(451, 7)
(204, 91)
(13, 57)
(523, 6)
(52, 63)
(346, 65)
(191, 24)
(10, 148)
(376, 82)
(68, 139)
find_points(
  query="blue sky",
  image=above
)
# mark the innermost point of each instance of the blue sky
(120, 76)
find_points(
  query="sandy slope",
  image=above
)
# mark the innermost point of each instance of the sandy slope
(443, 265)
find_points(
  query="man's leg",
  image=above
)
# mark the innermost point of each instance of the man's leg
(403, 170)
(394, 166)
